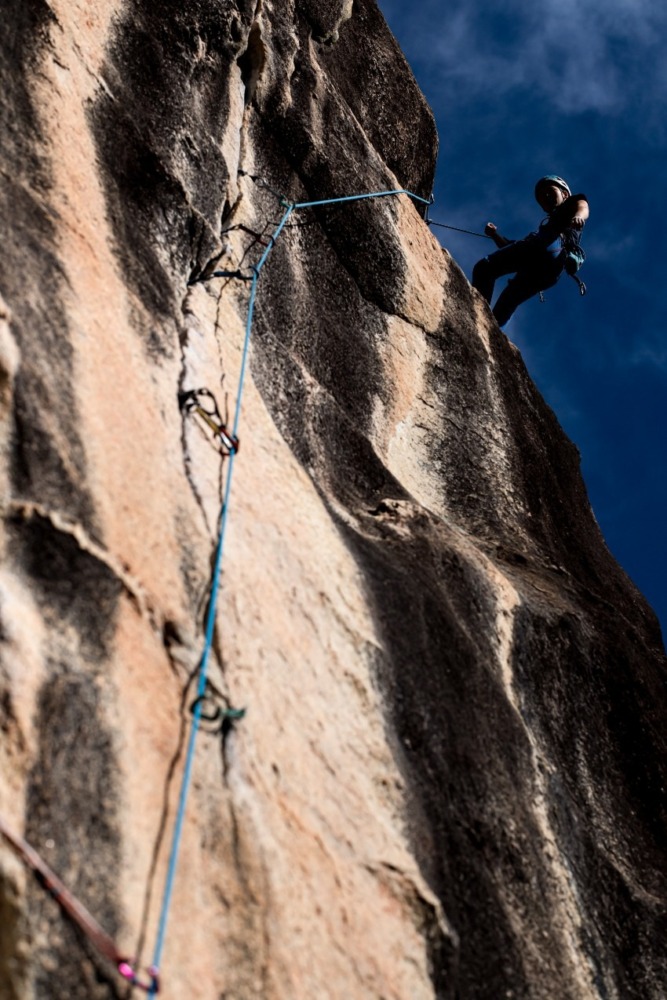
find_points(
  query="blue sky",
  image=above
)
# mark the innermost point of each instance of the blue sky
(580, 90)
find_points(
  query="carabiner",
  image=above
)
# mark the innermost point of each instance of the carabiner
(127, 972)
(190, 402)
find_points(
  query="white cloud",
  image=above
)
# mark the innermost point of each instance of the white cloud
(610, 247)
(600, 55)
(650, 352)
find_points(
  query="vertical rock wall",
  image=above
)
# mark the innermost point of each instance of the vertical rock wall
(450, 778)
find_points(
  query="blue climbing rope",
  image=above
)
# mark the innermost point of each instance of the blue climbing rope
(210, 621)
(362, 197)
(290, 207)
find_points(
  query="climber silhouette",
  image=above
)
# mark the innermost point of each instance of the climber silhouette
(538, 260)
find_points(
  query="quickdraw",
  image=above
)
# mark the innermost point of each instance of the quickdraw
(222, 714)
(77, 912)
(202, 403)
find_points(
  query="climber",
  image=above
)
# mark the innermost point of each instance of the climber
(538, 260)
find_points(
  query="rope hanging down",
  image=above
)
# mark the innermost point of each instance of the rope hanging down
(256, 269)
(76, 911)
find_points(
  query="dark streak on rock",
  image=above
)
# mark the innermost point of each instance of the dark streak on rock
(33, 283)
(158, 139)
(40, 470)
(72, 585)
(72, 803)
(251, 62)
(611, 810)
(326, 136)
(467, 758)
(371, 73)
(322, 322)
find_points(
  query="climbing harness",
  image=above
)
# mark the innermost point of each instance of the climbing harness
(202, 403)
(77, 912)
(572, 255)
(197, 708)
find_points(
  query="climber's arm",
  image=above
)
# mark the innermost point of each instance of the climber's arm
(572, 213)
(500, 241)
(581, 212)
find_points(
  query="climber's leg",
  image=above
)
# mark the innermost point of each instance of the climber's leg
(505, 261)
(524, 286)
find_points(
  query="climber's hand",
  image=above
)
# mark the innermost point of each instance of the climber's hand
(490, 229)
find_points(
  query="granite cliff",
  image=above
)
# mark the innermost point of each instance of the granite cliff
(450, 778)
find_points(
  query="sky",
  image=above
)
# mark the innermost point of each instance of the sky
(534, 87)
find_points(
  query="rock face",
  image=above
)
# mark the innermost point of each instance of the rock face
(450, 780)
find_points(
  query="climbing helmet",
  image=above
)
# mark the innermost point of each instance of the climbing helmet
(553, 179)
